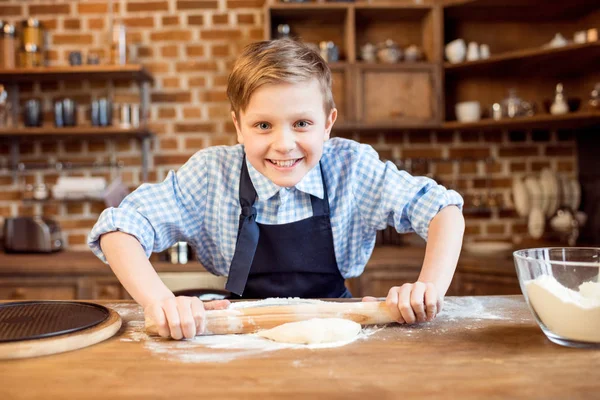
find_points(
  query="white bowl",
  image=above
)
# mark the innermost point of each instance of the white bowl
(456, 51)
(468, 111)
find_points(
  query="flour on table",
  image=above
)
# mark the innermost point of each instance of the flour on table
(565, 312)
(312, 331)
(462, 308)
(225, 348)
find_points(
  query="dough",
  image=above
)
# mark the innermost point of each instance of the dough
(316, 330)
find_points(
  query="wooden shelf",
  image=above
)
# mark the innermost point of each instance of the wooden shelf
(358, 5)
(78, 131)
(399, 66)
(64, 201)
(538, 55)
(134, 72)
(381, 127)
(573, 120)
(533, 10)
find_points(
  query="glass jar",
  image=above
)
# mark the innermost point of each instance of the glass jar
(32, 32)
(31, 56)
(7, 45)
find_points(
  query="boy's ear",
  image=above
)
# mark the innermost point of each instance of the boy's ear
(240, 138)
(329, 123)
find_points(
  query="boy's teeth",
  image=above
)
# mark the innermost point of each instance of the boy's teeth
(288, 163)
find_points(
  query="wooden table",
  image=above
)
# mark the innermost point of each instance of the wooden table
(478, 348)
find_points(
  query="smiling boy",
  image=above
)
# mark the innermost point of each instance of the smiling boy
(286, 212)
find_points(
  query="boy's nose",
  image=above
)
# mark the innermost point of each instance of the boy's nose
(285, 140)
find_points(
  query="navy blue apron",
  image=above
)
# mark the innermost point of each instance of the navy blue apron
(289, 260)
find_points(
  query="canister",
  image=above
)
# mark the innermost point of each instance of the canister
(7, 46)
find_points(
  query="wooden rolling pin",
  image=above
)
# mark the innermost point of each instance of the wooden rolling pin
(253, 319)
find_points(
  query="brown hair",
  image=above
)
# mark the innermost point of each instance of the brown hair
(276, 61)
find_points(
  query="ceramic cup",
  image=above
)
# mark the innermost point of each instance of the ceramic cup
(468, 111)
(456, 51)
(473, 51)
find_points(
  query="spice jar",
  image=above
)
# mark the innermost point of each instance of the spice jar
(30, 56)
(7, 45)
(32, 32)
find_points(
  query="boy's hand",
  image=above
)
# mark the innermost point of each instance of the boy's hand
(413, 302)
(181, 317)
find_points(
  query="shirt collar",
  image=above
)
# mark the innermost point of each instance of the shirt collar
(265, 188)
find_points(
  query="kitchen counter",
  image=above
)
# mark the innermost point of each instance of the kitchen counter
(479, 347)
(87, 262)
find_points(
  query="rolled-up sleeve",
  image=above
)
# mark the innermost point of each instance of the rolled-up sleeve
(160, 214)
(388, 196)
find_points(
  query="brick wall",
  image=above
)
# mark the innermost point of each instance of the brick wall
(189, 46)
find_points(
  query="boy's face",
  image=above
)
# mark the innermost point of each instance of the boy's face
(283, 130)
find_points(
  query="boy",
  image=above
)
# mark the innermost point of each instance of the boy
(309, 207)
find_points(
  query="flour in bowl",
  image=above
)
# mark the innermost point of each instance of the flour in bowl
(570, 314)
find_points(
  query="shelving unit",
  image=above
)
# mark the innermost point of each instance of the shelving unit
(367, 94)
(518, 34)
(421, 96)
(574, 120)
(134, 72)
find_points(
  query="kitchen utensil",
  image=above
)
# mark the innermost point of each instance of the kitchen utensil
(69, 112)
(75, 58)
(521, 197)
(473, 51)
(7, 45)
(559, 106)
(594, 101)
(33, 113)
(38, 328)
(580, 37)
(456, 51)
(536, 223)
(32, 32)
(31, 235)
(513, 106)
(4, 107)
(329, 51)
(413, 53)
(389, 52)
(252, 319)
(484, 51)
(31, 56)
(368, 52)
(550, 188)
(101, 112)
(558, 285)
(468, 111)
(118, 49)
(283, 31)
(557, 41)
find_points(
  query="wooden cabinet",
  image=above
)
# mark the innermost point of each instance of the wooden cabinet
(39, 289)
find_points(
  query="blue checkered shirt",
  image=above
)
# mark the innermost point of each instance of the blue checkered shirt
(199, 204)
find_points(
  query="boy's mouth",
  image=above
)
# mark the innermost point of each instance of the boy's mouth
(285, 163)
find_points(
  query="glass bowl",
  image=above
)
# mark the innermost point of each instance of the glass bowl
(562, 288)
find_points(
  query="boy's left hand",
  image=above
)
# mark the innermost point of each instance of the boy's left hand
(413, 302)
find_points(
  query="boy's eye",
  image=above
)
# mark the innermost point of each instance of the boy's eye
(302, 124)
(263, 125)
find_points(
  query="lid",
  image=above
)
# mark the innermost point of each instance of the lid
(40, 319)
(31, 23)
(8, 30)
(30, 48)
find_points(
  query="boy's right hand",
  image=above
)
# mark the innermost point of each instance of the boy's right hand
(181, 317)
